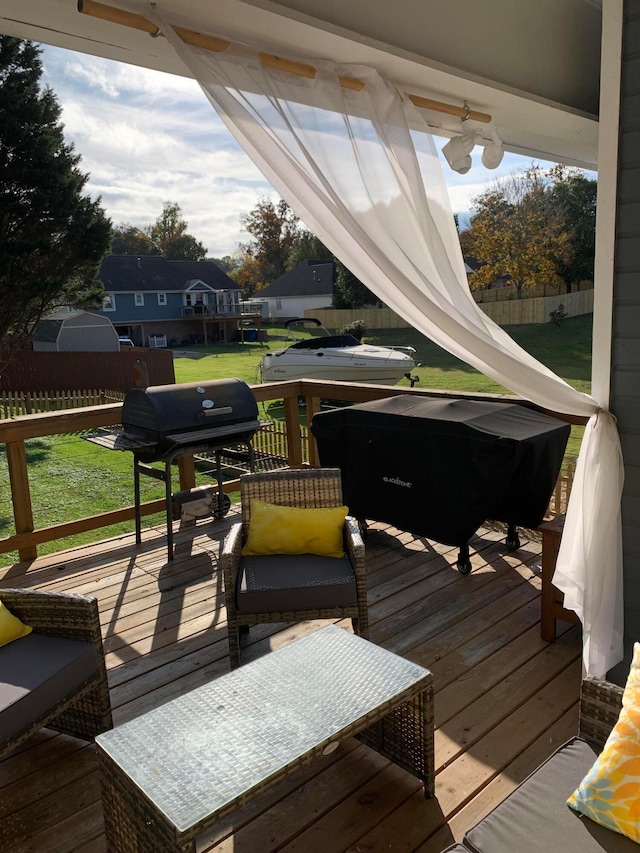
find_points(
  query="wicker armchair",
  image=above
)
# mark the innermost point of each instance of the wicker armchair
(48, 678)
(306, 582)
(600, 706)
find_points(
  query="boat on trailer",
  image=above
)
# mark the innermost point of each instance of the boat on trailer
(339, 357)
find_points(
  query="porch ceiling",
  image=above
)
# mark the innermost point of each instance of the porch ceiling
(532, 64)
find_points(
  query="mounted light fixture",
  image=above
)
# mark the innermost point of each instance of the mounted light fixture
(458, 150)
(493, 152)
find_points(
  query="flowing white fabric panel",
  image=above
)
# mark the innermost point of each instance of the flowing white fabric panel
(362, 172)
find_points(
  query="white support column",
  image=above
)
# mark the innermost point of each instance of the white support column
(608, 133)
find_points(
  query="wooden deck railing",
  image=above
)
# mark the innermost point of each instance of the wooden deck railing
(14, 432)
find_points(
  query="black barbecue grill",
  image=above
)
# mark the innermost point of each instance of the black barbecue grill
(441, 467)
(164, 422)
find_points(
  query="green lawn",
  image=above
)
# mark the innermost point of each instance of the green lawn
(71, 478)
(566, 349)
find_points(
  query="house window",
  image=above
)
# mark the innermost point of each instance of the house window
(108, 302)
(139, 299)
(278, 304)
(196, 298)
(162, 299)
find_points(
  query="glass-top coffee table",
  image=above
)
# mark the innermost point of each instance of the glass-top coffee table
(173, 772)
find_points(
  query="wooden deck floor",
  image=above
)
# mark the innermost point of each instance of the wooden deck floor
(504, 698)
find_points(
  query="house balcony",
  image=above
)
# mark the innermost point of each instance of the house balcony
(504, 697)
(209, 312)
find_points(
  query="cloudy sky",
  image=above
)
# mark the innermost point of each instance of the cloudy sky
(147, 137)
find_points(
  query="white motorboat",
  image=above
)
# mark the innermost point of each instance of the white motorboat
(340, 357)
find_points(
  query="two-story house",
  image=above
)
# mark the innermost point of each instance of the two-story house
(158, 303)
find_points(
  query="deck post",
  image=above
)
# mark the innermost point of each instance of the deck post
(292, 420)
(313, 407)
(21, 494)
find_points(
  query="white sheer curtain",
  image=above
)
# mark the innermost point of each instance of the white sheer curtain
(361, 170)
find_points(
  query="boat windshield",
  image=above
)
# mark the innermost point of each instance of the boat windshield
(329, 341)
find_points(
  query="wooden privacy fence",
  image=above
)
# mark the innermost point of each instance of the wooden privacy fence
(502, 294)
(497, 304)
(25, 370)
(517, 312)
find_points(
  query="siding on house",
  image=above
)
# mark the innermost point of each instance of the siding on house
(126, 277)
(625, 402)
(126, 310)
(288, 307)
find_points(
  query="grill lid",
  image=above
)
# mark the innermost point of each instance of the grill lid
(171, 409)
(165, 419)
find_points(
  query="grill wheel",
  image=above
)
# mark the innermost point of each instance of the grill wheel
(221, 505)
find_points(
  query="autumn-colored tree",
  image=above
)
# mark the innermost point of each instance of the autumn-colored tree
(247, 275)
(129, 240)
(169, 234)
(274, 229)
(518, 233)
(466, 241)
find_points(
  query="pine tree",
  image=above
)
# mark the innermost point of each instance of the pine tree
(52, 237)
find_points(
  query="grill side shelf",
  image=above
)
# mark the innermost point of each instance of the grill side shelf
(120, 441)
(204, 435)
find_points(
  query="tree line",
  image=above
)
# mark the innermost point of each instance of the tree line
(531, 228)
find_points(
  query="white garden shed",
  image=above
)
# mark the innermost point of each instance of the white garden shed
(81, 331)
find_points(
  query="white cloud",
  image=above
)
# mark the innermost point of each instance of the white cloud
(146, 138)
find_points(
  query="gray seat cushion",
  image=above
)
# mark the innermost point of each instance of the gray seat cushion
(535, 817)
(285, 582)
(37, 672)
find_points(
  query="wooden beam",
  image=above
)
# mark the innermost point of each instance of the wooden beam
(269, 60)
(21, 495)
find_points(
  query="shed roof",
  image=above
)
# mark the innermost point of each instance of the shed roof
(48, 328)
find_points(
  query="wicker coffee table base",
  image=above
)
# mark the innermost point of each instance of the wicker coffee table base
(400, 727)
(132, 825)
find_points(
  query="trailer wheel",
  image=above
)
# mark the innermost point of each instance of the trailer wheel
(513, 543)
(221, 505)
(464, 566)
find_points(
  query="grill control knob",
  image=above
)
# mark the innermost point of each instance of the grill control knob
(208, 404)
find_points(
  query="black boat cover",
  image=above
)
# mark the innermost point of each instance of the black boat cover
(440, 468)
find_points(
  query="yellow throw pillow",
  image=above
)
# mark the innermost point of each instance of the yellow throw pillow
(608, 794)
(11, 628)
(275, 529)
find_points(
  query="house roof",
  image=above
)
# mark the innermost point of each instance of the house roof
(310, 278)
(129, 273)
